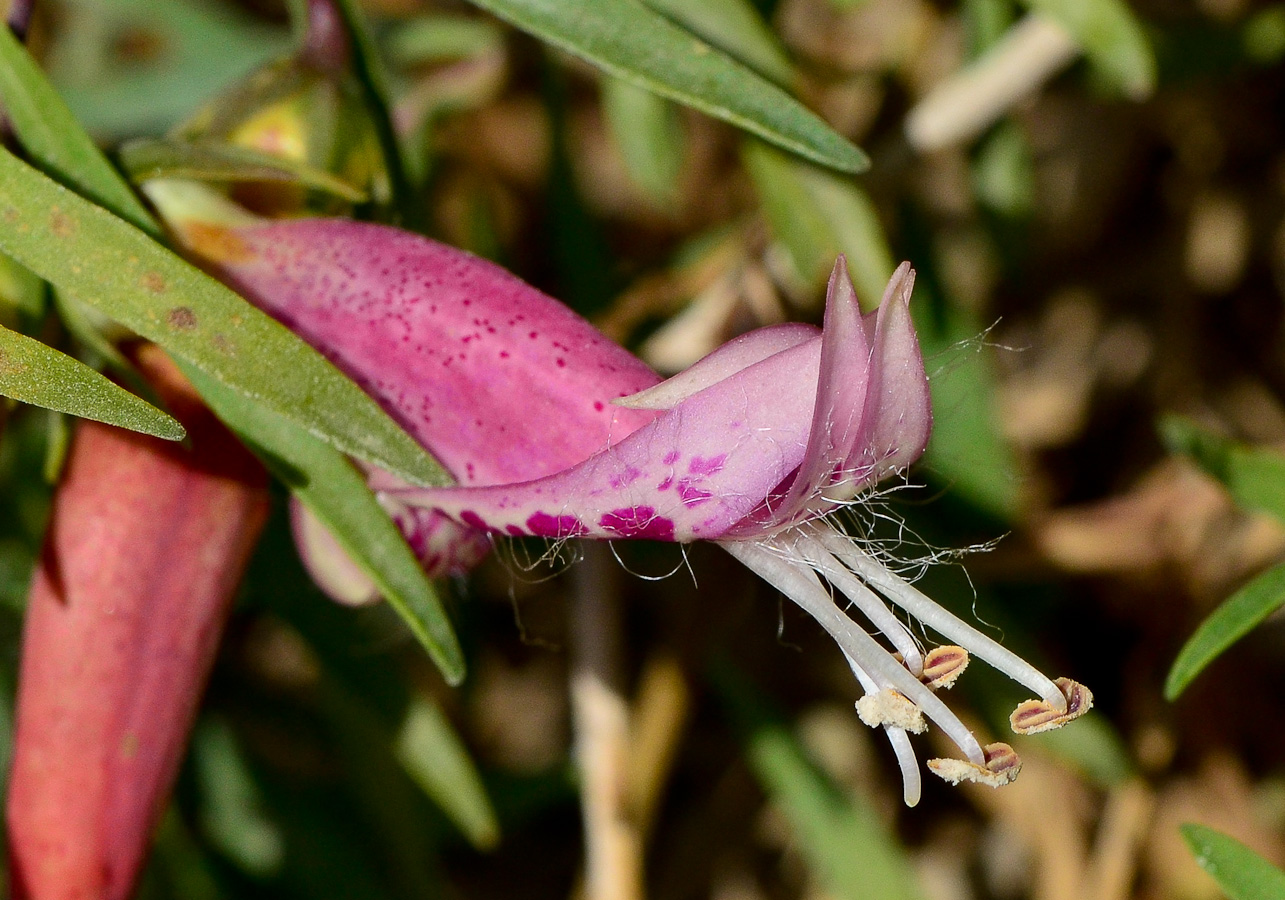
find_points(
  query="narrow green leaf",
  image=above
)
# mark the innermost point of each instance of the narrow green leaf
(37, 374)
(628, 40)
(1240, 872)
(649, 136)
(148, 158)
(841, 837)
(113, 267)
(817, 214)
(736, 28)
(854, 223)
(1227, 624)
(337, 494)
(795, 221)
(1113, 40)
(1255, 476)
(54, 138)
(436, 759)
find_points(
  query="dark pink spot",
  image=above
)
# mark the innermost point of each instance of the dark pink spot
(701, 466)
(473, 520)
(562, 363)
(638, 522)
(690, 495)
(545, 525)
(514, 530)
(671, 457)
(597, 405)
(665, 485)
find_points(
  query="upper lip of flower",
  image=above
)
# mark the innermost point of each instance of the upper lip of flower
(752, 447)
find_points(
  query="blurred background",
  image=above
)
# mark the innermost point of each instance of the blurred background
(1099, 231)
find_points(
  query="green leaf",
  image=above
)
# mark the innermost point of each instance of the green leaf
(1112, 38)
(337, 494)
(1255, 476)
(113, 267)
(198, 48)
(649, 136)
(795, 221)
(149, 158)
(736, 28)
(54, 138)
(1239, 871)
(628, 40)
(436, 759)
(840, 836)
(37, 374)
(1231, 621)
(817, 214)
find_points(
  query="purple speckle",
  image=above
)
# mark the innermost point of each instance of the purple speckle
(544, 525)
(638, 522)
(666, 484)
(514, 530)
(671, 457)
(629, 476)
(690, 495)
(702, 466)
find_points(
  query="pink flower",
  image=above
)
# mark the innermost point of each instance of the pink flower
(553, 431)
(144, 553)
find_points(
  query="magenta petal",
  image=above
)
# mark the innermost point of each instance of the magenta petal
(737, 354)
(898, 406)
(838, 421)
(499, 381)
(692, 474)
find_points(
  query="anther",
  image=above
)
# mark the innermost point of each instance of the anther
(1002, 766)
(893, 709)
(943, 665)
(1035, 716)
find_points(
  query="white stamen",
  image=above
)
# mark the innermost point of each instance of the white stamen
(801, 585)
(925, 610)
(911, 780)
(866, 600)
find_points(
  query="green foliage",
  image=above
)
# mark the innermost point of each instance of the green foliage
(1255, 476)
(1236, 617)
(336, 493)
(35, 373)
(628, 40)
(1239, 871)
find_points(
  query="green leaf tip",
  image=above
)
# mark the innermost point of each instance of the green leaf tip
(1240, 872)
(1236, 617)
(630, 41)
(34, 373)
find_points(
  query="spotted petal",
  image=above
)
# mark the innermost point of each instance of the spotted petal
(501, 382)
(702, 467)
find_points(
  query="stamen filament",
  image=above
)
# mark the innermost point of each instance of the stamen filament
(866, 600)
(911, 780)
(925, 610)
(801, 586)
